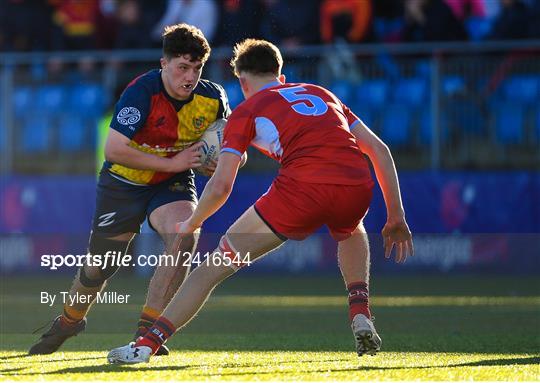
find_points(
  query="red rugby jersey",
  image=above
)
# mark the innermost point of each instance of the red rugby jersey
(303, 126)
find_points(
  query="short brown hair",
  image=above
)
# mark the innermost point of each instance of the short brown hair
(256, 57)
(185, 39)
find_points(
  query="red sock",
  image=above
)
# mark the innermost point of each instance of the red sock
(158, 334)
(358, 299)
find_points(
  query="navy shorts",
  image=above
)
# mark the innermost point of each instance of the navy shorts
(122, 207)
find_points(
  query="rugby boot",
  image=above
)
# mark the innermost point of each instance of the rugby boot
(130, 354)
(366, 337)
(59, 332)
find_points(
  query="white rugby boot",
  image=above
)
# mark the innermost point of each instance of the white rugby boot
(130, 354)
(366, 337)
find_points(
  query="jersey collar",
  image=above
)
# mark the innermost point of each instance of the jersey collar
(270, 85)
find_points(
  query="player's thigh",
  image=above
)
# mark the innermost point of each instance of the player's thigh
(172, 202)
(251, 234)
(120, 208)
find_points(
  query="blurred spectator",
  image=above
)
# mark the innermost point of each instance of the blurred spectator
(106, 24)
(289, 23)
(389, 9)
(534, 21)
(492, 8)
(350, 20)
(25, 25)
(151, 13)
(75, 24)
(201, 13)
(239, 20)
(472, 14)
(388, 20)
(431, 20)
(512, 22)
(130, 25)
(466, 8)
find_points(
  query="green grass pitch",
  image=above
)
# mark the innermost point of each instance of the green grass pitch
(295, 328)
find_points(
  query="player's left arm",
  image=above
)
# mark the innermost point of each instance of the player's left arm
(396, 231)
(216, 192)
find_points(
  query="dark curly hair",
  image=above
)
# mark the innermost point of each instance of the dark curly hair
(256, 57)
(184, 39)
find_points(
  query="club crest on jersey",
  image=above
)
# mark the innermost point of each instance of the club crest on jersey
(129, 115)
(199, 123)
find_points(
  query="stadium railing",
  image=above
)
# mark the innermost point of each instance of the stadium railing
(440, 106)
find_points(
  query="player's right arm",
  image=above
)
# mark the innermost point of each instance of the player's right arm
(118, 151)
(396, 231)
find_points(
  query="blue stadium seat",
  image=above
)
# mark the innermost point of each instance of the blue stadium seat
(3, 131)
(537, 120)
(365, 113)
(523, 89)
(451, 85)
(343, 91)
(373, 93)
(234, 93)
(23, 97)
(35, 134)
(51, 98)
(425, 127)
(466, 117)
(396, 125)
(477, 27)
(509, 123)
(72, 133)
(88, 99)
(385, 27)
(422, 68)
(38, 71)
(411, 91)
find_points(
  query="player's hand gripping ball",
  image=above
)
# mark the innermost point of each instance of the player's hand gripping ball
(211, 139)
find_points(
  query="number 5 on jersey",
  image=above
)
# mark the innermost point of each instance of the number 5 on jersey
(292, 94)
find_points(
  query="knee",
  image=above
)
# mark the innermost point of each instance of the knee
(95, 276)
(360, 229)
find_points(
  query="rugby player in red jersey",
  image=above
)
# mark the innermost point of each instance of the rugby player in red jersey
(150, 151)
(324, 179)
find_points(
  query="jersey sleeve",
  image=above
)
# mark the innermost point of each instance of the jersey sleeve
(352, 119)
(132, 110)
(224, 110)
(239, 132)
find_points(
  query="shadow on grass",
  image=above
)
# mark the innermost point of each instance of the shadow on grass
(105, 368)
(16, 356)
(492, 362)
(9, 371)
(114, 368)
(7, 359)
(499, 362)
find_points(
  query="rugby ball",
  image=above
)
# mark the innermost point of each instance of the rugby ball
(211, 139)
